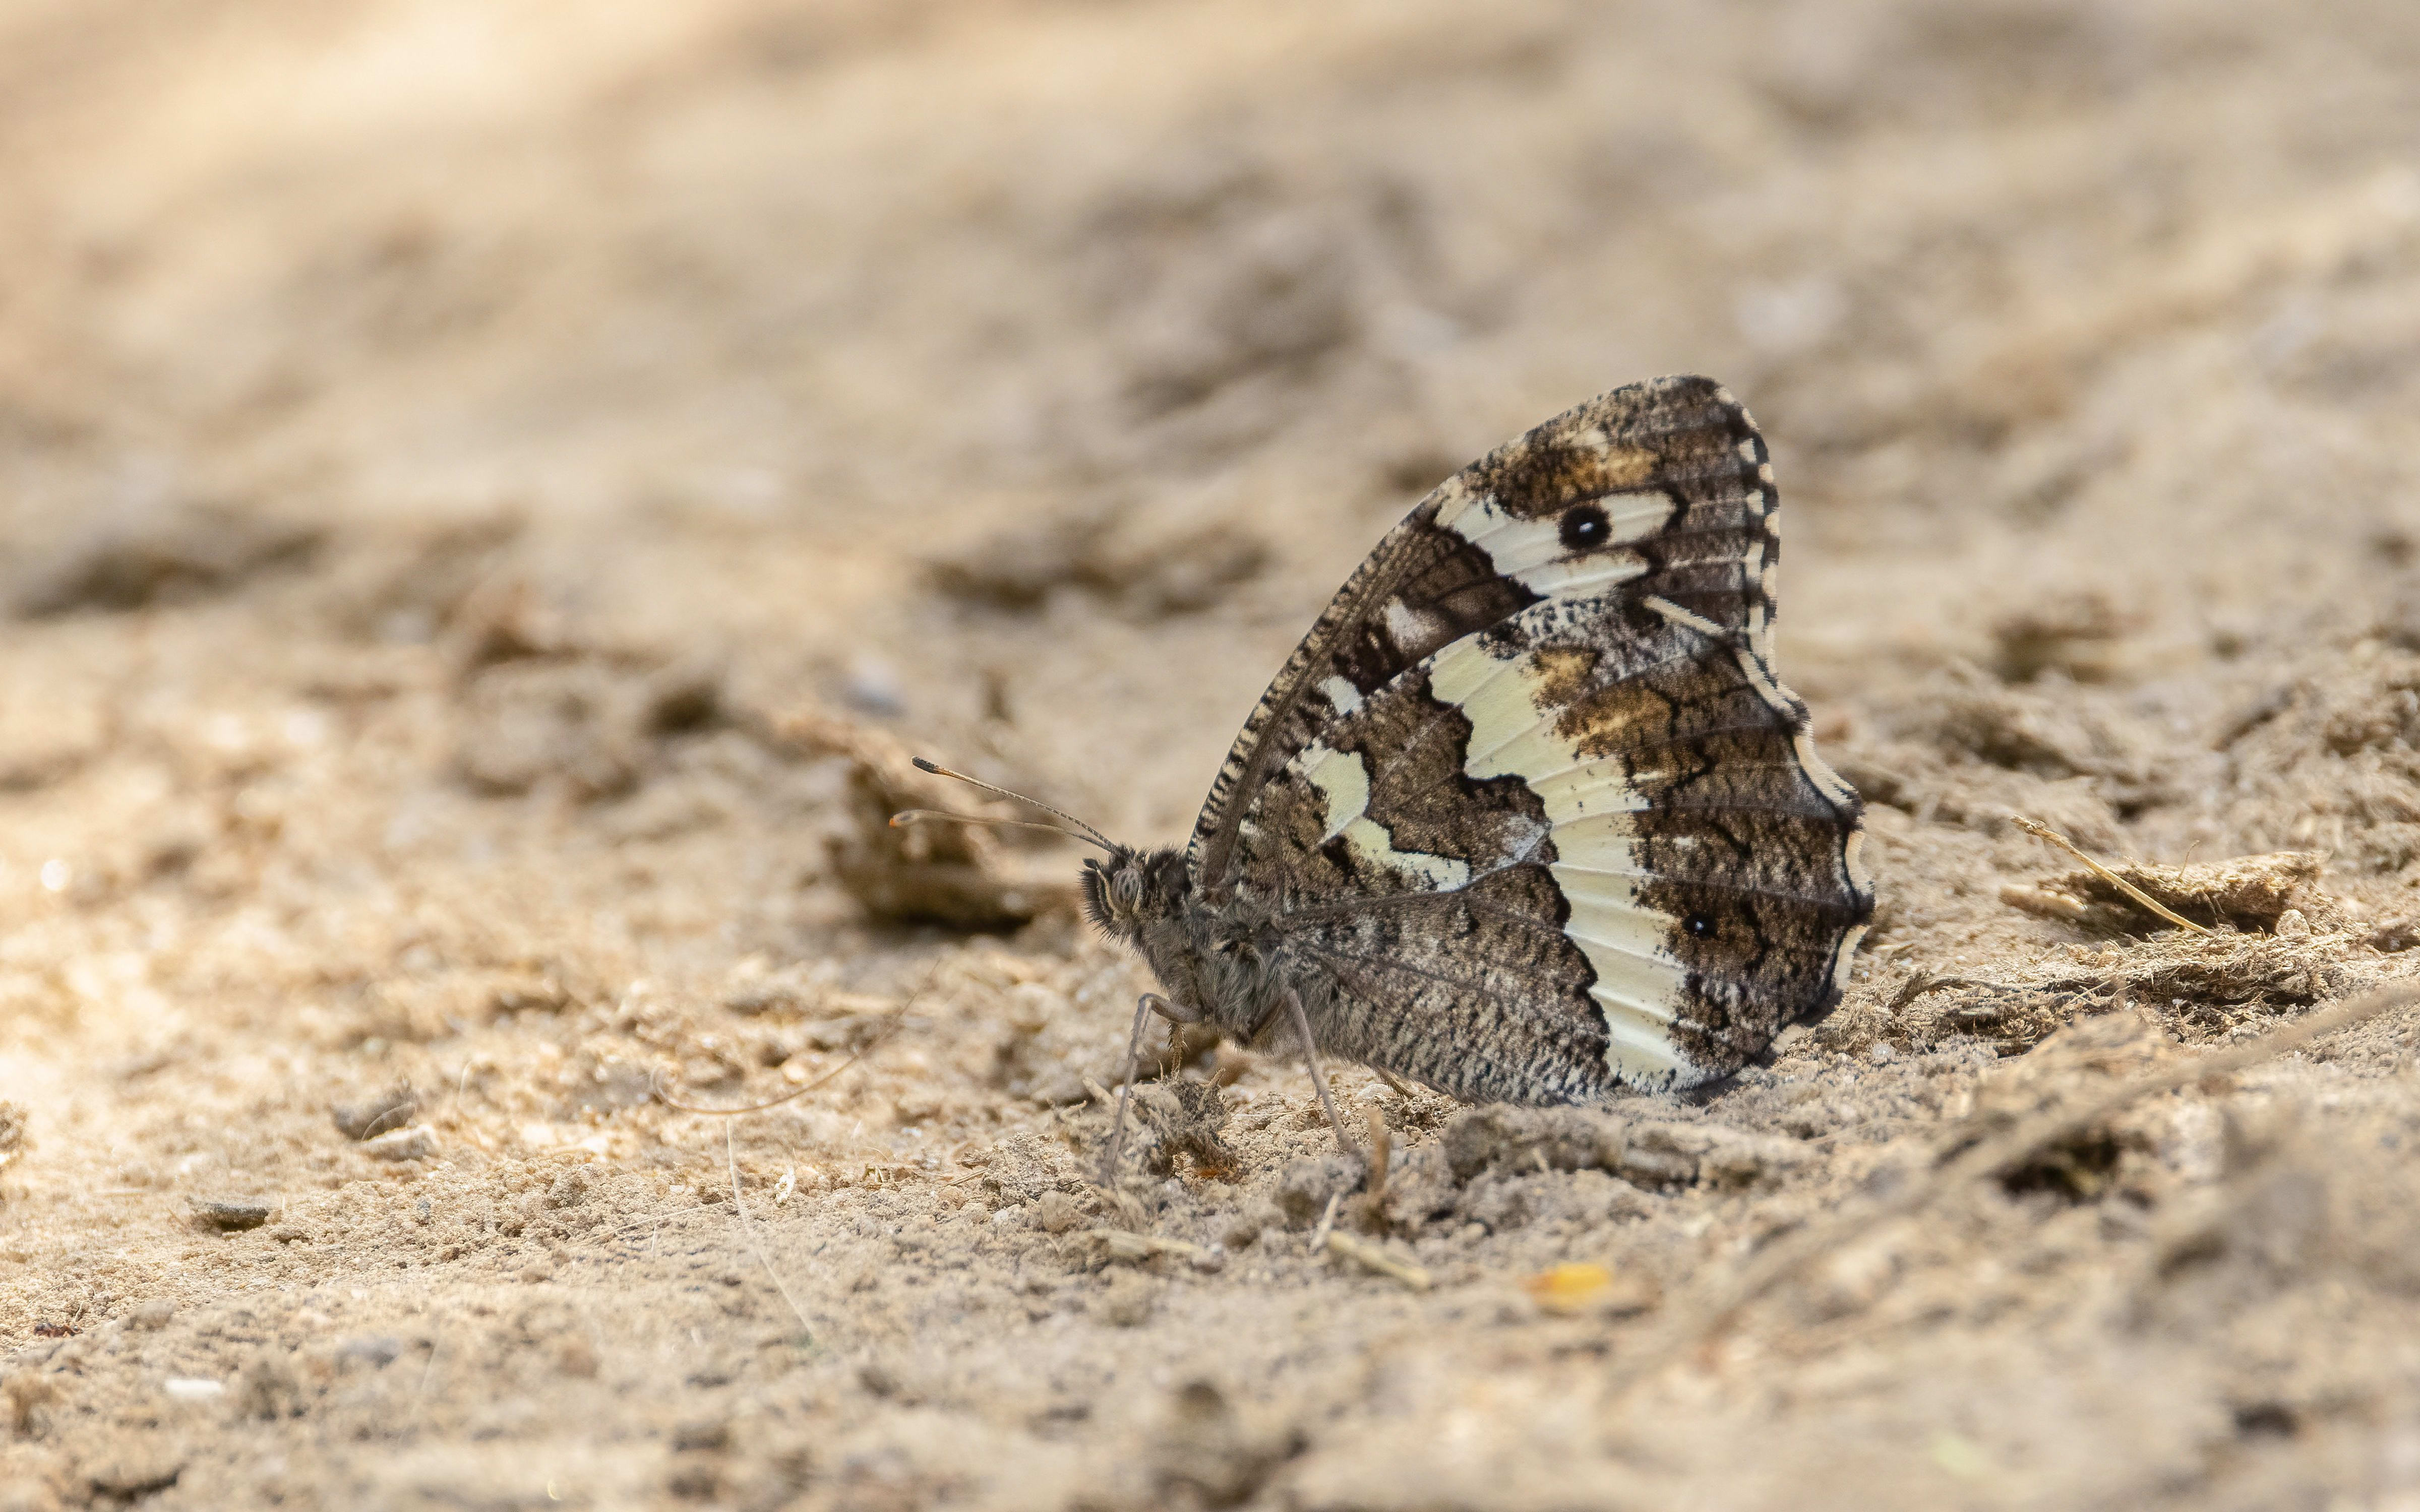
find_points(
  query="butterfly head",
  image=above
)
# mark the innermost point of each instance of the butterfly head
(1133, 889)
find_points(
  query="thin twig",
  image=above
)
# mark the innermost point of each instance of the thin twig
(739, 1207)
(1327, 1222)
(1957, 1163)
(1382, 1147)
(1394, 1084)
(1924, 981)
(1123, 1244)
(2041, 831)
(1371, 1258)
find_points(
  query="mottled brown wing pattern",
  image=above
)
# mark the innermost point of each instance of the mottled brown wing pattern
(1533, 815)
(1671, 467)
(1419, 589)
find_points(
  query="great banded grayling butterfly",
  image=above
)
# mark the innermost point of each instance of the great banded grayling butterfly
(1528, 816)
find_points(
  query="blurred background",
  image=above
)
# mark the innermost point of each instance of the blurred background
(983, 365)
(491, 489)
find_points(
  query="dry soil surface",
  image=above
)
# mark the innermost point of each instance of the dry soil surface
(489, 491)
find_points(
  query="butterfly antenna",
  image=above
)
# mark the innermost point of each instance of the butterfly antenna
(916, 816)
(1082, 830)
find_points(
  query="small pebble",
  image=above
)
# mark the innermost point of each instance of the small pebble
(376, 1114)
(190, 1389)
(1057, 1212)
(401, 1144)
(230, 1214)
(153, 1313)
(135, 1470)
(376, 1351)
(872, 687)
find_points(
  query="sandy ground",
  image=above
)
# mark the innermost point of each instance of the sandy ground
(487, 492)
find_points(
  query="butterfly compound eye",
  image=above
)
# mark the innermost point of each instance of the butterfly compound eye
(1127, 889)
(1583, 526)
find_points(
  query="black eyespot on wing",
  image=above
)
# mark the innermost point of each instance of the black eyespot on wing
(1585, 525)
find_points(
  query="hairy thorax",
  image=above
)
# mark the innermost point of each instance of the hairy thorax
(1221, 962)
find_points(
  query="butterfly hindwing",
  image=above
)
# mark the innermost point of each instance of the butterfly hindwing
(1529, 801)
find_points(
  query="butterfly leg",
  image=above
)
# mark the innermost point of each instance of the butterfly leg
(1318, 1083)
(1145, 1006)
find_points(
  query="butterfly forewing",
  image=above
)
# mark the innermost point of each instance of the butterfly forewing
(1530, 798)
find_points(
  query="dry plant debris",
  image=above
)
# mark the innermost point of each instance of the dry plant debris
(956, 874)
(1185, 1118)
(2076, 633)
(1967, 1156)
(1579, 1289)
(2247, 894)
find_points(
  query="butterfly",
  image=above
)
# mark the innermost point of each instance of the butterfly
(1528, 816)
